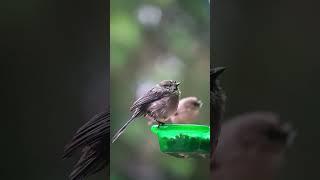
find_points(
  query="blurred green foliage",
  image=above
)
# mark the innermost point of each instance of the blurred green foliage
(151, 41)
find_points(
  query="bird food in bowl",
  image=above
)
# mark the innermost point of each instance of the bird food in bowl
(183, 140)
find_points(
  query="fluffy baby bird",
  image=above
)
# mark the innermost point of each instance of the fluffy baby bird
(188, 111)
(251, 147)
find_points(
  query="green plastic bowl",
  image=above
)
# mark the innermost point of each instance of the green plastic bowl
(183, 140)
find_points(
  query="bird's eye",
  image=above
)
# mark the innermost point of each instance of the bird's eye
(275, 134)
(166, 85)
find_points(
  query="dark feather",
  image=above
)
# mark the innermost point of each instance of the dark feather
(94, 158)
(93, 139)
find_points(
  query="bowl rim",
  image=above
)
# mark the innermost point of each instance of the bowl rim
(179, 128)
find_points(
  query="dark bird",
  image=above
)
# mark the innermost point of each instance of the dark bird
(217, 103)
(187, 112)
(158, 103)
(251, 147)
(93, 139)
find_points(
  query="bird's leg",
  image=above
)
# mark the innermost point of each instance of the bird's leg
(154, 118)
(159, 123)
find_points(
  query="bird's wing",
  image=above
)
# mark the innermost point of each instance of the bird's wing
(93, 159)
(152, 95)
(93, 139)
(93, 131)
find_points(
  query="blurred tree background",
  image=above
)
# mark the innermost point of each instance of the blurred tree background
(271, 50)
(151, 41)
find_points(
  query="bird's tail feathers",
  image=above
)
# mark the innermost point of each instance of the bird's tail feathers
(124, 127)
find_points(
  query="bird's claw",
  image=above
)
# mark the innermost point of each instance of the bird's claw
(160, 124)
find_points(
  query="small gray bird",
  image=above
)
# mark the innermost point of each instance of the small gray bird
(158, 103)
(188, 111)
(251, 147)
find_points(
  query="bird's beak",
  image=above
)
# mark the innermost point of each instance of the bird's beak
(217, 71)
(200, 103)
(291, 133)
(177, 83)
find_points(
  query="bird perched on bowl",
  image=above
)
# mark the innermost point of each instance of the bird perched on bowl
(251, 147)
(158, 103)
(188, 111)
(93, 140)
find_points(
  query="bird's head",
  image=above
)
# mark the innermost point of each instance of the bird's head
(216, 72)
(170, 85)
